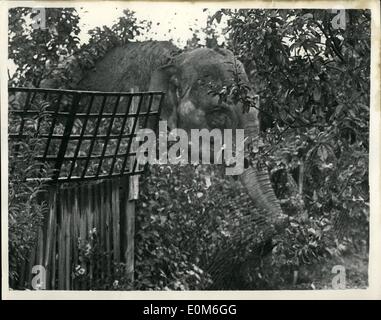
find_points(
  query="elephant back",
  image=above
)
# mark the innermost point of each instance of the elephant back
(128, 66)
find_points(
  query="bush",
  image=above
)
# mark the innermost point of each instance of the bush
(26, 210)
(195, 228)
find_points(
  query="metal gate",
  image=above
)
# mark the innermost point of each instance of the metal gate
(86, 150)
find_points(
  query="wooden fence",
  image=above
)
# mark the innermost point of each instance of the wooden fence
(88, 235)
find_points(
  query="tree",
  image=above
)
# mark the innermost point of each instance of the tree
(33, 49)
(313, 80)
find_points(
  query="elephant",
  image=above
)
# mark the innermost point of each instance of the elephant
(185, 76)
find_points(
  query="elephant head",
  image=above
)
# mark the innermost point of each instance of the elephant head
(189, 103)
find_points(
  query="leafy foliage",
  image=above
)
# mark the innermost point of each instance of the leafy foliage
(26, 210)
(59, 39)
(194, 227)
(92, 259)
(313, 83)
(59, 57)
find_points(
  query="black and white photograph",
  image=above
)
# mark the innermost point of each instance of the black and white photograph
(189, 147)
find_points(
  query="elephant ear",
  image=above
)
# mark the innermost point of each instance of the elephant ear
(166, 79)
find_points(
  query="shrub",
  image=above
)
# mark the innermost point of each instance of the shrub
(26, 210)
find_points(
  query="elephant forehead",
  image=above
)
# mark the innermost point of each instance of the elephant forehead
(212, 71)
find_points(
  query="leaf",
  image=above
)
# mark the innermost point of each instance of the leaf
(208, 181)
(217, 16)
(294, 224)
(327, 228)
(307, 16)
(317, 94)
(322, 153)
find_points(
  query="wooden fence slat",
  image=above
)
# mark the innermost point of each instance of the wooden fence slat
(41, 198)
(133, 180)
(115, 218)
(87, 194)
(130, 235)
(90, 215)
(100, 206)
(61, 242)
(94, 191)
(60, 260)
(82, 223)
(84, 237)
(63, 252)
(108, 223)
(86, 228)
(75, 233)
(65, 237)
(123, 217)
(54, 241)
(133, 191)
(134, 188)
(78, 281)
(68, 242)
(113, 224)
(61, 266)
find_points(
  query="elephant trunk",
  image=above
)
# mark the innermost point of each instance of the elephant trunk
(257, 180)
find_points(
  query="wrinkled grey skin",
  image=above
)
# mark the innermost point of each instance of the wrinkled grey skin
(186, 78)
